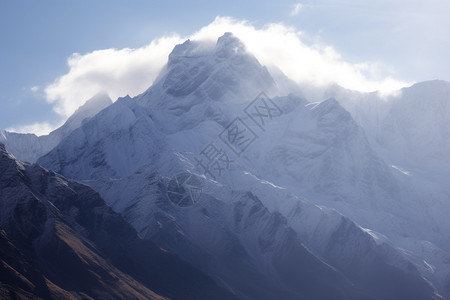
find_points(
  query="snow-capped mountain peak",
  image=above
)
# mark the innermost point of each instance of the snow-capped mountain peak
(134, 148)
(229, 46)
(29, 147)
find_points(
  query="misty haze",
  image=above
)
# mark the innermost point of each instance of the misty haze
(257, 151)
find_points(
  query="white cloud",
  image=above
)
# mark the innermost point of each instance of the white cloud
(132, 71)
(118, 72)
(39, 128)
(34, 89)
(296, 9)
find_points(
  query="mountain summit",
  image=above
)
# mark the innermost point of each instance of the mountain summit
(272, 196)
(201, 81)
(249, 221)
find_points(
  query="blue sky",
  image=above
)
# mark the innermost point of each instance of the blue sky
(405, 40)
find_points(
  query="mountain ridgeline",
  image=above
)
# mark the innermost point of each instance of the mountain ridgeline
(216, 184)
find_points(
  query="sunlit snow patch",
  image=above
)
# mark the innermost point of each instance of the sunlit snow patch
(401, 170)
(378, 237)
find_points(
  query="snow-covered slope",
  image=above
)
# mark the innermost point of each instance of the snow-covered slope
(60, 240)
(231, 233)
(319, 151)
(409, 130)
(131, 150)
(29, 147)
(411, 126)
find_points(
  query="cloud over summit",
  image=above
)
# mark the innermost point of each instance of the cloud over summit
(131, 71)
